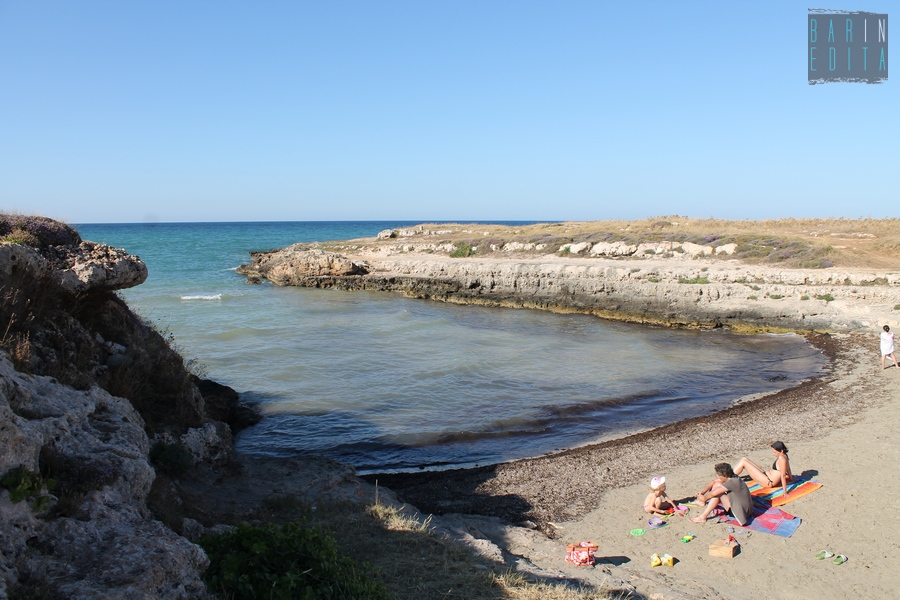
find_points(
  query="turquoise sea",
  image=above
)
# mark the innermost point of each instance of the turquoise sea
(388, 383)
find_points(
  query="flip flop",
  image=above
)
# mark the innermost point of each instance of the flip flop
(638, 531)
(840, 559)
(824, 554)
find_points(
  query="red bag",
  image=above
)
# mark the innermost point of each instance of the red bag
(581, 554)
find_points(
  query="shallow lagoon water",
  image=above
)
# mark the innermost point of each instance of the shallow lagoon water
(386, 383)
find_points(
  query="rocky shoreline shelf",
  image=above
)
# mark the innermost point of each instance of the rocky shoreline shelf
(699, 293)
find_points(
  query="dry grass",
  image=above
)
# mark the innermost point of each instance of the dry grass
(847, 243)
(414, 562)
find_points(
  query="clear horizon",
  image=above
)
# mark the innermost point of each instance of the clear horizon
(408, 111)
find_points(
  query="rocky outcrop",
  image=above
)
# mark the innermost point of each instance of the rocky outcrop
(86, 388)
(698, 294)
(62, 319)
(74, 269)
(295, 265)
(91, 536)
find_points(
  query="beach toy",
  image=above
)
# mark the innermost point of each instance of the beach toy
(655, 560)
(668, 561)
(656, 522)
(688, 538)
(638, 531)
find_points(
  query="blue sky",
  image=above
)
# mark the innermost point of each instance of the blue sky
(349, 110)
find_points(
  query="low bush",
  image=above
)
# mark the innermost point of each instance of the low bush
(172, 459)
(463, 250)
(876, 281)
(74, 477)
(804, 297)
(776, 296)
(39, 232)
(25, 484)
(286, 562)
(701, 280)
(825, 297)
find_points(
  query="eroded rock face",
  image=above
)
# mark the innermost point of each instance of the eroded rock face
(97, 266)
(75, 269)
(104, 543)
(692, 294)
(295, 264)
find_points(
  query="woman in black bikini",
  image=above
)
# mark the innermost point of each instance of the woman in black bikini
(779, 474)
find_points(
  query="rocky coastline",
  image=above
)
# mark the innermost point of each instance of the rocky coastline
(89, 393)
(696, 292)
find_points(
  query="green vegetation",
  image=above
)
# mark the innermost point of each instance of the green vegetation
(776, 296)
(25, 484)
(804, 297)
(652, 279)
(897, 307)
(694, 280)
(291, 561)
(751, 297)
(825, 297)
(463, 250)
(755, 288)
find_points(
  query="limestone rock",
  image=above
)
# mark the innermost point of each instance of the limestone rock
(518, 247)
(106, 546)
(659, 294)
(613, 249)
(209, 444)
(575, 248)
(92, 266)
(296, 263)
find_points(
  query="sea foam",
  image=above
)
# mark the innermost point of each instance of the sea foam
(202, 297)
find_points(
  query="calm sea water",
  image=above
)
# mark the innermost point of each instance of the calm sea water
(389, 383)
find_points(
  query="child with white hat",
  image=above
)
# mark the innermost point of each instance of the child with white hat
(657, 502)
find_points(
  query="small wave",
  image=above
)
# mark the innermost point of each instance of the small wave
(203, 297)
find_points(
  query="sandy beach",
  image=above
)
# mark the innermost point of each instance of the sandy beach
(841, 430)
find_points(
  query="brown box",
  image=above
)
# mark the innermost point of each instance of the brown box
(725, 548)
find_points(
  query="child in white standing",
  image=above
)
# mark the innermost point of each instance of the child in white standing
(887, 347)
